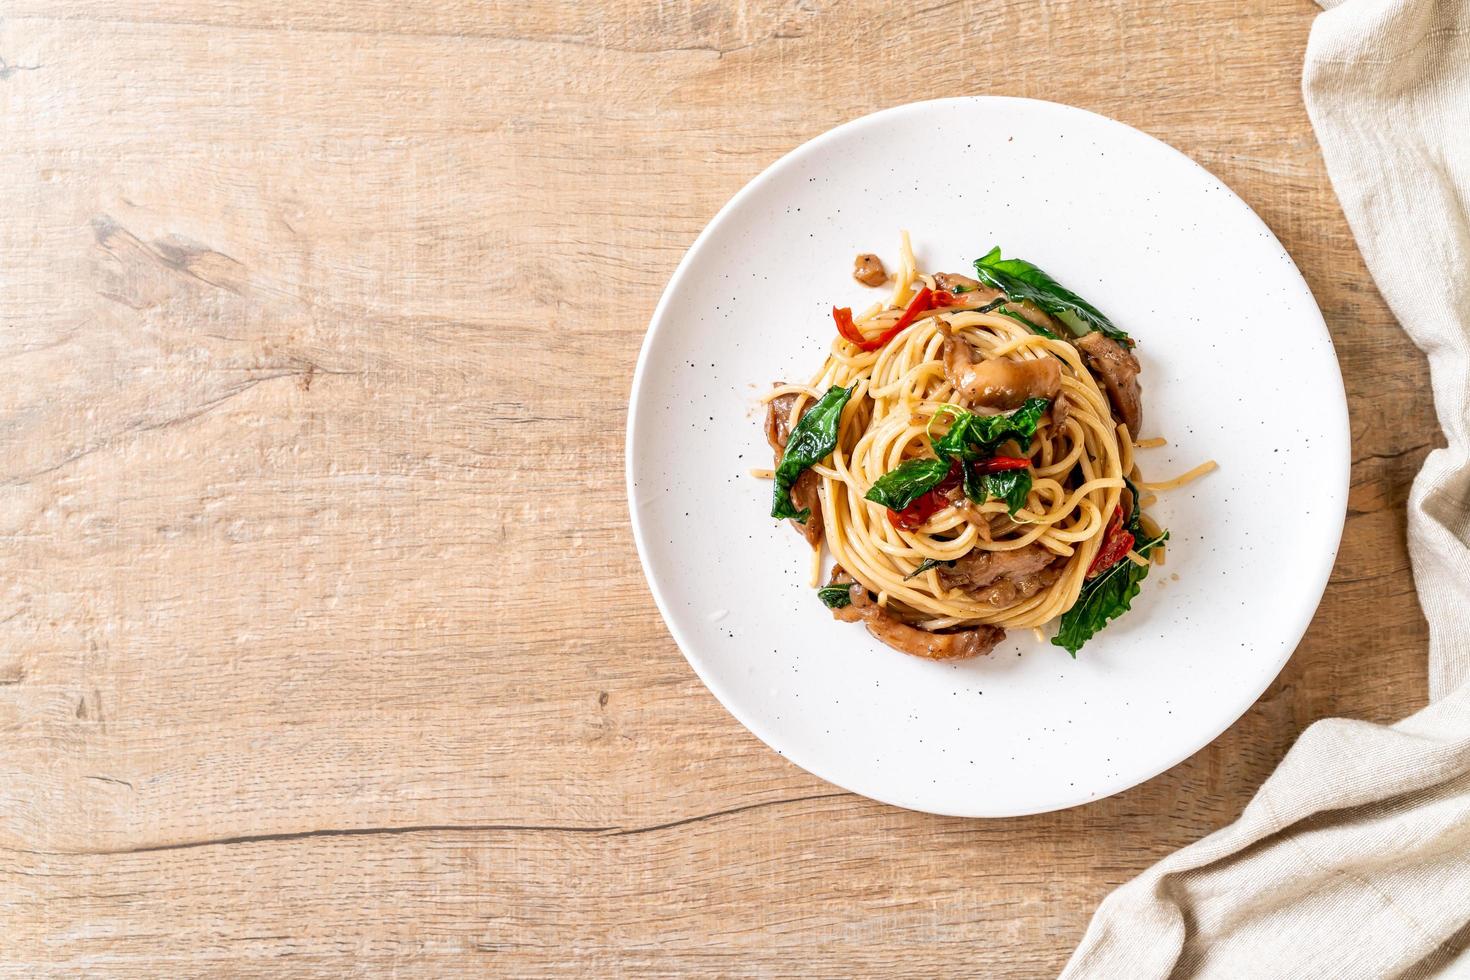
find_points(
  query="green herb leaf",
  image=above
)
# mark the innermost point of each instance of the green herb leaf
(972, 437)
(925, 565)
(1134, 524)
(1104, 599)
(955, 444)
(1012, 486)
(835, 596)
(813, 439)
(974, 485)
(1019, 425)
(913, 478)
(1025, 282)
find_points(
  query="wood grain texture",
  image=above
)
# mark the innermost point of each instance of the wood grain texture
(290, 678)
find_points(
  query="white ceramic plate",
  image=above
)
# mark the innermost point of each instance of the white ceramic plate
(1238, 367)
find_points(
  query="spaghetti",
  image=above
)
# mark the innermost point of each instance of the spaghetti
(981, 472)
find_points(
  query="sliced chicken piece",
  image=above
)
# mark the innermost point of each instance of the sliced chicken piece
(1118, 368)
(1061, 409)
(868, 269)
(1009, 591)
(854, 612)
(980, 568)
(998, 383)
(1000, 578)
(804, 491)
(804, 494)
(974, 294)
(958, 644)
(778, 424)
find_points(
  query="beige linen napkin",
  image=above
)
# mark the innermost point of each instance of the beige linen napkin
(1353, 860)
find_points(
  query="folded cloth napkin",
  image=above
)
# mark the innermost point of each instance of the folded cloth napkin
(1353, 860)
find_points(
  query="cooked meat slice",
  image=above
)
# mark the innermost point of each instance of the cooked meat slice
(804, 491)
(1009, 591)
(804, 495)
(1038, 316)
(1002, 578)
(976, 294)
(959, 644)
(1118, 368)
(998, 383)
(778, 426)
(948, 281)
(848, 614)
(859, 595)
(972, 295)
(868, 269)
(980, 568)
(1061, 410)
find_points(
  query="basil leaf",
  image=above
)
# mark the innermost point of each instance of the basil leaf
(1024, 282)
(974, 485)
(835, 596)
(955, 444)
(927, 564)
(813, 439)
(1134, 524)
(1104, 599)
(972, 437)
(1012, 486)
(913, 478)
(1019, 425)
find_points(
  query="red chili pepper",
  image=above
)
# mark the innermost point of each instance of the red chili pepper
(912, 517)
(1001, 464)
(845, 326)
(923, 300)
(943, 297)
(1116, 545)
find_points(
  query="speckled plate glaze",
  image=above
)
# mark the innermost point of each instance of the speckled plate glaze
(1238, 367)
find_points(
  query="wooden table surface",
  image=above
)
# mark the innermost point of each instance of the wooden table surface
(323, 642)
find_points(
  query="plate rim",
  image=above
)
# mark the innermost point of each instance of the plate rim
(658, 322)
